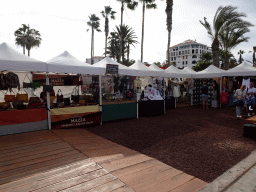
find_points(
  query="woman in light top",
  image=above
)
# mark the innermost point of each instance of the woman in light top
(240, 95)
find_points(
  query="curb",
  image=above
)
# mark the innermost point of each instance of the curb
(226, 179)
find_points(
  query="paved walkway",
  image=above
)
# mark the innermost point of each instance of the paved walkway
(77, 160)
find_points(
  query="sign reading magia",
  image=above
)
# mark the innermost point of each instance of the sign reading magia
(111, 69)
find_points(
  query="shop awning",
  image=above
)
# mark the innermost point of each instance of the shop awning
(172, 72)
(243, 69)
(12, 60)
(158, 71)
(67, 63)
(142, 70)
(187, 72)
(209, 72)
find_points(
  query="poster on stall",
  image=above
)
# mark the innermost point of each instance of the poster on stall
(87, 80)
(75, 120)
(137, 86)
(107, 83)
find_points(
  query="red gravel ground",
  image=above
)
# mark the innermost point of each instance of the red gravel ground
(202, 143)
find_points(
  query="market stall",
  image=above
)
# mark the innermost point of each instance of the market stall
(74, 105)
(19, 113)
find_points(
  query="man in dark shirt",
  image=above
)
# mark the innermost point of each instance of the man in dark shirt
(204, 90)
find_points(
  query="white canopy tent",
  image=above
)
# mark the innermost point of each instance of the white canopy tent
(142, 70)
(67, 63)
(243, 69)
(172, 72)
(187, 72)
(12, 60)
(209, 72)
(122, 69)
(158, 70)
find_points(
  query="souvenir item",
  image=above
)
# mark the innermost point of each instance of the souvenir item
(59, 96)
(9, 98)
(22, 96)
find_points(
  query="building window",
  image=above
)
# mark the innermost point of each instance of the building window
(173, 53)
(186, 57)
(186, 62)
(192, 51)
(183, 63)
(179, 52)
(193, 62)
(171, 58)
(196, 50)
(182, 52)
(186, 51)
(174, 58)
(183, 57)
(194, 56)
(173, 49)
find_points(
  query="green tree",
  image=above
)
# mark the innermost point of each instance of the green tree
(157, 64)
(131, 4)
(240, 53)
(106, 14)
(204, 62)
(149, 4)
(20, 36)
(168, 11)
(113, 48)
(27, 38)
(226, 21)
(94, 24)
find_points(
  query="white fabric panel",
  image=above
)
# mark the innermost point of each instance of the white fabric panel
(172, 72)
(209, 72)
(158, 70)
(142, 70)
(187, 72)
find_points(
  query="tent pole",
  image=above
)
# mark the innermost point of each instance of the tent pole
(137, 102)
(100, 92)
(164, 96)
(220, 86)
(48, 103)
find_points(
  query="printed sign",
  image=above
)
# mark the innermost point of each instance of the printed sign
(112, 69)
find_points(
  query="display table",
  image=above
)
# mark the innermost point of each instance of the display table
(19, 121)
(118, 110)
(70, 117)
(170, 103)
(151, 108)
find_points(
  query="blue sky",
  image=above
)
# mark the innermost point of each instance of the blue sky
(63, 27)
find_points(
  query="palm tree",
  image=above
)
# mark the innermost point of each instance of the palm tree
(131, 4)
(240, 53)
(113, 48)
(94, 24)
(20, 36)
(106, 13)
(168, 11)
(253, 56)
(33, 39)
(149, 4)
(224, 22)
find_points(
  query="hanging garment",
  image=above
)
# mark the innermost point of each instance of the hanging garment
(224, 83)
(176, 91)
(246, 82)
(12, 80)
(230, 85)
(3, 85)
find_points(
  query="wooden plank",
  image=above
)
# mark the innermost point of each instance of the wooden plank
(251, 120)
(47, 174)
(64, 177)
(85, 186)
(33, 152)
(28, 148)
(30, 158)
(42, 167)
(193, 185)
(123, 189)
(152, 175)
(167, 184)
(124, 162)
(110, 186)
(67, 151)
(73, 181)
(136, 168)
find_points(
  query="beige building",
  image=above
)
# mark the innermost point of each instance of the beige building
(187, 53)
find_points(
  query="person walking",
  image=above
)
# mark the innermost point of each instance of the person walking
(204, 90)
(250, 98)
(239, 96)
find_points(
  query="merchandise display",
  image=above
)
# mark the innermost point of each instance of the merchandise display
(197, 95)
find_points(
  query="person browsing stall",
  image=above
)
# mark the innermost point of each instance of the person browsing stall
(239, 96)
(204, 90)
(250, 98)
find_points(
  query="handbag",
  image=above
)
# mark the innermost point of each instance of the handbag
(9, 98)
(34, 100)
(67, 101)
(22, 97)
(5, 105)
(59, 96)
(75, 98)
(16, 103)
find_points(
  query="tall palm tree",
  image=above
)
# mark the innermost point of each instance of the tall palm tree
(20, 36)
(224, 17)
(94, 24)
(240, 53)
(149, 4)
(253, 56)
(33, 39)
(131, 4)
(113, 48)
(106, 13)
(168, 11)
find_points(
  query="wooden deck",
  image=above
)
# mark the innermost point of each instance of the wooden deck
(251, 120)
(77, 160)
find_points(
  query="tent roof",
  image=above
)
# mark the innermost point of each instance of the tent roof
(157, 69)
(187, 72)
(143, 70)
(12, 60)
(123, 70)
(209, 72)
(243, 69)
(67, 63)
(172, 72)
